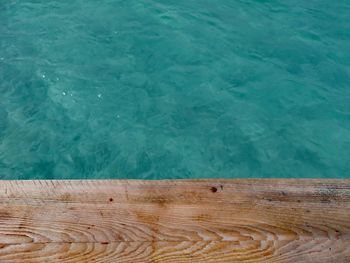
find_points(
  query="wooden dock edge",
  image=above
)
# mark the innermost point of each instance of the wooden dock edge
(111, 221)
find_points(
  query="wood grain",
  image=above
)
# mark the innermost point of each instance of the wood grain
(175, 221)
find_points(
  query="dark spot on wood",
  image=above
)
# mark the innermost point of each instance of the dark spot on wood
(308, 211)
(299, 201)
(104, 243)
(283, 193)
(222, 187)
(213, 189)
(269, 199)
(337, 231)
(101, 213)
(111, 199)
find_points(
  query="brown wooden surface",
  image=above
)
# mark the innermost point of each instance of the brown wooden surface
(175, 221)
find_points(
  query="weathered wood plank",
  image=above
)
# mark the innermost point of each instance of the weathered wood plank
(175, 221)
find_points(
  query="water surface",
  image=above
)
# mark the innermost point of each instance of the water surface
(174, 89)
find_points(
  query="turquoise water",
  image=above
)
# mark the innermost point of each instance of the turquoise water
(174, 89)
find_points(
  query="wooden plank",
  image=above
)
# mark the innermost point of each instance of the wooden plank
(175, 221)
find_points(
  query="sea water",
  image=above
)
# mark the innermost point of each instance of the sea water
(164, 89)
